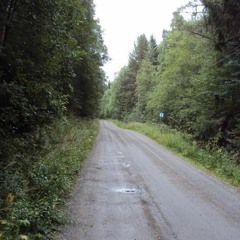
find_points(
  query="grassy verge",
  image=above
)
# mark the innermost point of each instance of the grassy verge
(217, 162)
(36, 190)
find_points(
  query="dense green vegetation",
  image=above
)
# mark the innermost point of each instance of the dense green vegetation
(193, 76)
(215, 161)
(51, 54)
(34, 201)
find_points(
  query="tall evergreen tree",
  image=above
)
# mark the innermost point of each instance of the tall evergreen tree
(153, 51)
(139, 52)
(222, 19)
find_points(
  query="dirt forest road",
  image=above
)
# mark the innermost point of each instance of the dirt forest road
(131, 188)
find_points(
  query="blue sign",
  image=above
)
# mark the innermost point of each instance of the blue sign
(161, 114)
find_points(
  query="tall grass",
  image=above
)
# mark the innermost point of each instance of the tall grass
(216, 161)
(33, 207)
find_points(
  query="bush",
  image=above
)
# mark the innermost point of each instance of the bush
(34, 187)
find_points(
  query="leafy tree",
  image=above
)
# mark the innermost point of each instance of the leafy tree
(177, 90)
(88, 83)
(106, 110)
(146, 81)
(51, 53)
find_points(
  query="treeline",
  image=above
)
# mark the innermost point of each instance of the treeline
(193, 76)
(51, 53)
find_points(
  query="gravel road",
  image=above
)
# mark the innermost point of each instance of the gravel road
(131, 188)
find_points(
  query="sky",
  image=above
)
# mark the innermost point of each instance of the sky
(122, 21)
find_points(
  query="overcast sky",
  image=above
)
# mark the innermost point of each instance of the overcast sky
(122, 21)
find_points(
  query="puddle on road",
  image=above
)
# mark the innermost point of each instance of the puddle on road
(125, 190)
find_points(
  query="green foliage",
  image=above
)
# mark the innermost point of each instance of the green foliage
(176, 92)
(152, 53)
(51, 54)
(50, 58)
(146, 82)
(89, 79)
(126, 97)
(222, 18)
(32, 202)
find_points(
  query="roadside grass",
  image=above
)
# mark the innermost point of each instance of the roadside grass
(217, 162)
(34, 208)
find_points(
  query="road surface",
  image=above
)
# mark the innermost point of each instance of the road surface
(131, 188)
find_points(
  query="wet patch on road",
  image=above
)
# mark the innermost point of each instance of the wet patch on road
(126, 190)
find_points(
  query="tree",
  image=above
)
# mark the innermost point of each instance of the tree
(222, 19)
(89, 79)
(146, 81)
(139, 52)
(177, 91)
(113, 103)
(152, 54)
(51, 53)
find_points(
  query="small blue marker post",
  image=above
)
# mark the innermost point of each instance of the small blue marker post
(161, 116)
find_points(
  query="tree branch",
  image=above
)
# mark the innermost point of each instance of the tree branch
(199, 34)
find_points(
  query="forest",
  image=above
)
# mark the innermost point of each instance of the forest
(192, 76)
(52, 86)
(51, 58)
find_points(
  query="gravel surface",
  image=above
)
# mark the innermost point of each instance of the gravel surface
(131, 188)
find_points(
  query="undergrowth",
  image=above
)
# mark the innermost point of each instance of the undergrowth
(36, 183)
(216, 161)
